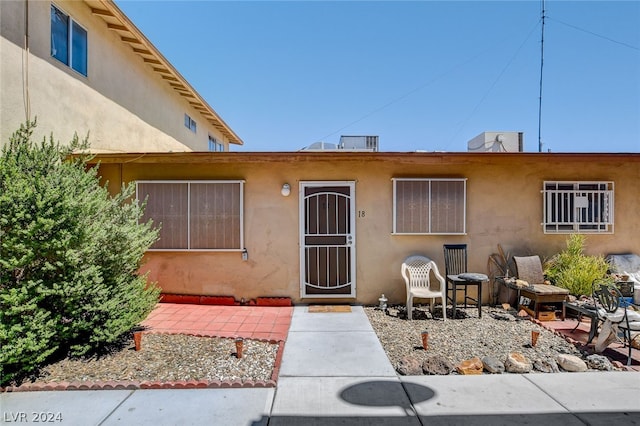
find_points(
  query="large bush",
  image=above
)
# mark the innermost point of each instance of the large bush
(574, 270)
(69, 256)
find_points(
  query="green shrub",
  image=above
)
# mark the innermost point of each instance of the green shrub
(573, 270)
(69, 256)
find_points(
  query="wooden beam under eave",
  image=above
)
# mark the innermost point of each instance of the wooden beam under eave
(161, 70)
(169, 77)
(101, 12)
(130, 40)
(143, 51)
(152, 61)
(117, 27)
(177, 85)
(185, 93)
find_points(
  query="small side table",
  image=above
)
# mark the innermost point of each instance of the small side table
(582, 310)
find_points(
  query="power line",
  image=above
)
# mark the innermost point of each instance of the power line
(486, 94)
(595, 34)
(414, 90)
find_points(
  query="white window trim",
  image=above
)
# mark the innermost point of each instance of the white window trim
(189, 182)
(605, 226)
(464, 219)
(69, 63)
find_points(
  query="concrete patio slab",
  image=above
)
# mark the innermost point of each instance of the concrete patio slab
(195, 407)
(80, 408)
(303, 320)
(341, 400)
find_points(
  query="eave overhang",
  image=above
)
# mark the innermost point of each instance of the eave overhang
(118, 22)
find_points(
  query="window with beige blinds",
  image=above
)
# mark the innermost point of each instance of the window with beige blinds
(429, 206)
(195, 215)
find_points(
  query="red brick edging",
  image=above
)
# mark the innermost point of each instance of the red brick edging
(223, 300)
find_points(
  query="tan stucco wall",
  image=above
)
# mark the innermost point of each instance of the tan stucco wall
(504, 206)
(122, 104)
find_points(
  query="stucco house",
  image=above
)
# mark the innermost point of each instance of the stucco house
(313, 226)
(83, 67)
(335, 226)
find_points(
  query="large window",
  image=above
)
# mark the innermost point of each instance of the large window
(429, 206)
(68, 41)
(214, 145)
(578, 207)
(195, 215)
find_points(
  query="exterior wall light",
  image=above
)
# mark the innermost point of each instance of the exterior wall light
(286, 190)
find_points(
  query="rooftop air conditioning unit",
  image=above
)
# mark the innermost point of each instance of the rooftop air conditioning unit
(364, 143)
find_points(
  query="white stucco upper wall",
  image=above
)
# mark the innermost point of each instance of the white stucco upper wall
(122, 103)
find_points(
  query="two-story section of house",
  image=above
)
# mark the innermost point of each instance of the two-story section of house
(83, 67)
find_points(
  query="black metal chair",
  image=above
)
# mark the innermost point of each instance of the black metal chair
(455, 265)
(611, 306)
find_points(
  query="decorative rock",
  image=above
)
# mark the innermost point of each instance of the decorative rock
(437, 365)
(470, 366)
(599, 362)
(523, 313)
(517, 363)
(547, 365)
(571, 363)
(503, 317)
(409, 366)
(493, 365)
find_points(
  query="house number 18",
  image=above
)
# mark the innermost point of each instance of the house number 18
(361, 213)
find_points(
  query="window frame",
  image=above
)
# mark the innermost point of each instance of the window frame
(217, 146)
(70, 60)
(190, 123)
(239, 182)
(463, 225)
(600, 202)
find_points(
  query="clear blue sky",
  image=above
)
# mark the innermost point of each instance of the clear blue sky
(422, 75)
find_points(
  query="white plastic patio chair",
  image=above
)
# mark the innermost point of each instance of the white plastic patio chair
(416, 271)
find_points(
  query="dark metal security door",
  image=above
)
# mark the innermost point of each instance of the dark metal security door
(327, 239)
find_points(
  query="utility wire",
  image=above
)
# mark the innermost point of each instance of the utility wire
(486, 94)
(595, 34)
(406, 94)
(410, 92)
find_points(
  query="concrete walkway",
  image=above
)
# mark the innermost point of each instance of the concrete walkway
(334, 371)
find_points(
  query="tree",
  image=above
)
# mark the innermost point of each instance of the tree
(69, 256)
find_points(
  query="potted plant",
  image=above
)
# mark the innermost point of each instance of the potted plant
(574, 270)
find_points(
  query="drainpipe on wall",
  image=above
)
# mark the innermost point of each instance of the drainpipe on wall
(25, 65)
